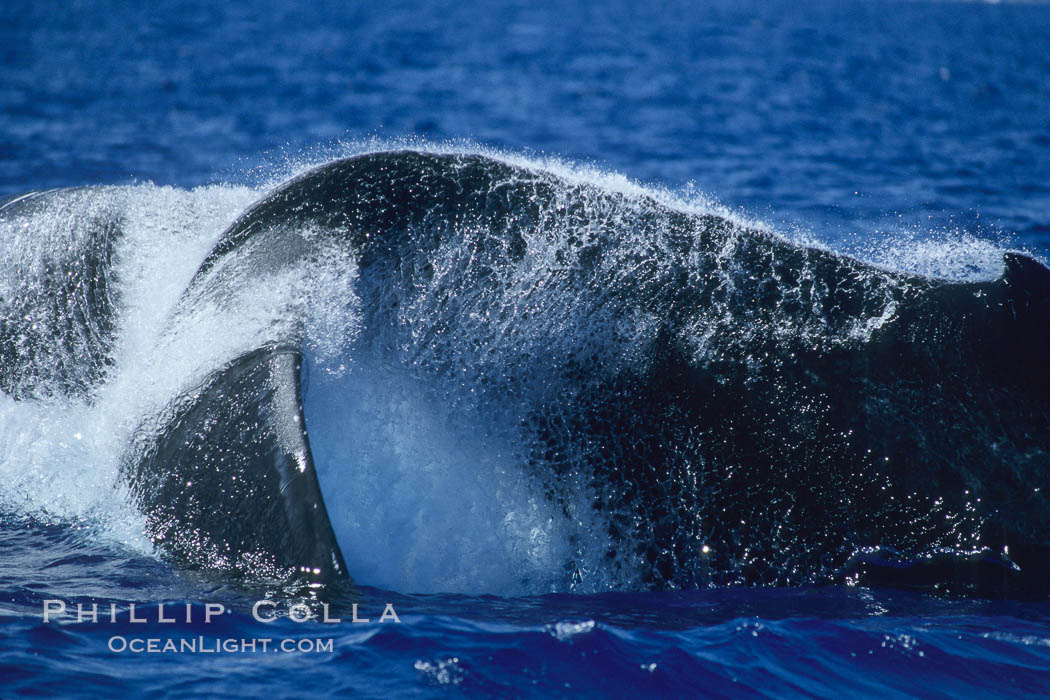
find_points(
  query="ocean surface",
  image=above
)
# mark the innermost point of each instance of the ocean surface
(912, 135)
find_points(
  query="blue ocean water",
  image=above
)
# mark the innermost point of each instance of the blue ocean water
(915, 134)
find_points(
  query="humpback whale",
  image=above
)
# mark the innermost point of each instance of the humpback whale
(741, 409)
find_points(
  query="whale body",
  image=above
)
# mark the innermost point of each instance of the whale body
(740, 409)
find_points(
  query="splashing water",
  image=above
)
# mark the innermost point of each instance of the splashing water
(415, 429)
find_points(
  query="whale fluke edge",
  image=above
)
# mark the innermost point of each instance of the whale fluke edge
(229, 485)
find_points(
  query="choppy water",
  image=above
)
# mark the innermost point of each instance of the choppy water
(911, 134)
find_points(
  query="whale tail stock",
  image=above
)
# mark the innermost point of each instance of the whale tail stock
(1028, 284)
(885, 409)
